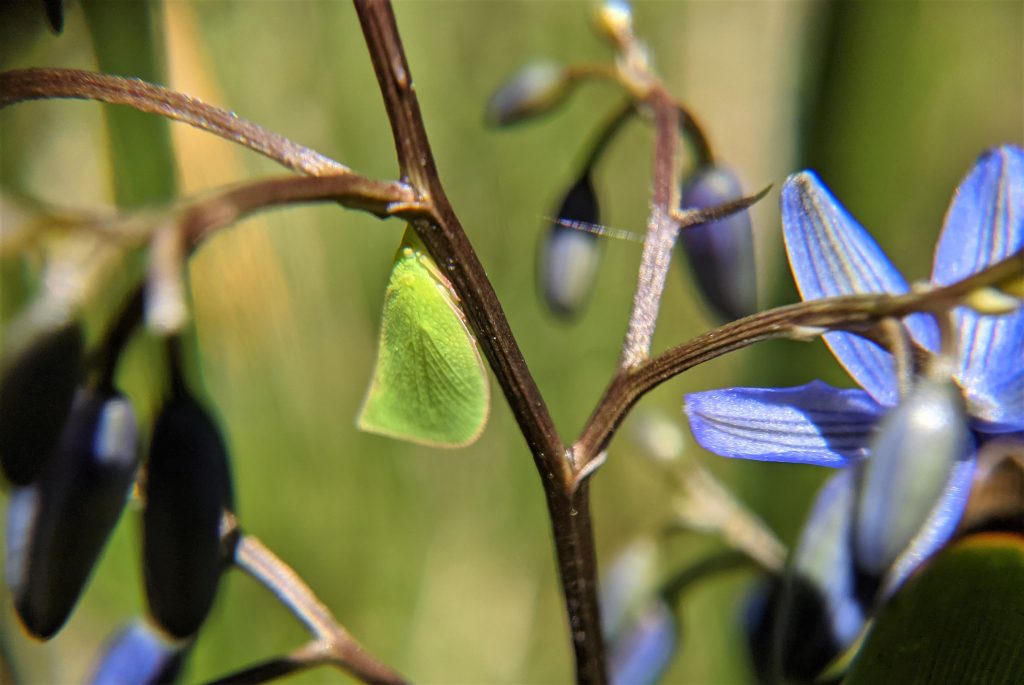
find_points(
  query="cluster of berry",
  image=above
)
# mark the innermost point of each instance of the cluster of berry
(70, 448)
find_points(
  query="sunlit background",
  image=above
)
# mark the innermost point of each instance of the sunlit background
(441, 561)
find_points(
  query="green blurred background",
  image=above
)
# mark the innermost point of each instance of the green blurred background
(441, 562)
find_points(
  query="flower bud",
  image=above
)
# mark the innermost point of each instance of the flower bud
(569, 257)
(37, 384)
(913, 456)
(532, 90)
(720, 253)
(57, 527)
(139, 655)
(188, 485)
(614, 19)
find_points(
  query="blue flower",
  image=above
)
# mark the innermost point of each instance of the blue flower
(830, 254)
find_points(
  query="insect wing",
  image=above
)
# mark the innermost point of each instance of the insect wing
(429, 385)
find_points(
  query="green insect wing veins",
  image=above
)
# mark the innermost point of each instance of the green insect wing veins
(429, 384)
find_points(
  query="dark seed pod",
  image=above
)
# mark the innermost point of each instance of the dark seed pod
(569, 257)
(139, 655)
(57, 527)
(720, 253)
(36, 389)
(188, 485)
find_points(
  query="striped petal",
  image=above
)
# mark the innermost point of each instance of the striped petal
(985, 224)
(830, 255)
(809, 424)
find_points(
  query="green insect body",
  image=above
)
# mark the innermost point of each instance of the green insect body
(429, 384)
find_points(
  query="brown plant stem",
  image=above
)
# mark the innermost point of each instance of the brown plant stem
(332, 643)
(446, 241)
(206, 214)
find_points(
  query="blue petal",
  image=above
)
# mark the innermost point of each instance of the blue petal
(831, 255)
(1005, 414)
(985, 224)
(627, 583)
(937, 529)
(810, 424)
(138, 655)
(645, 652)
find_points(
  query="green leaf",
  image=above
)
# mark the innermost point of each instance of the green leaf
(960, 621)
(430, 384)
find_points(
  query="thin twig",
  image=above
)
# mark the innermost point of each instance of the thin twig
(706, 505)
(662, 227)
(803, 321)
(35, 84)
(901, 346)
(212, 211)
(308, 656)
(674, 586)
(333, 644)
(607, 134)
(197, 217)
(691, 218)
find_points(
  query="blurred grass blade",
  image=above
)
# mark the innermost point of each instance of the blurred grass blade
(127, 43)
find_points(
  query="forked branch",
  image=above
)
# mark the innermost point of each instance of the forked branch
(331, 644)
